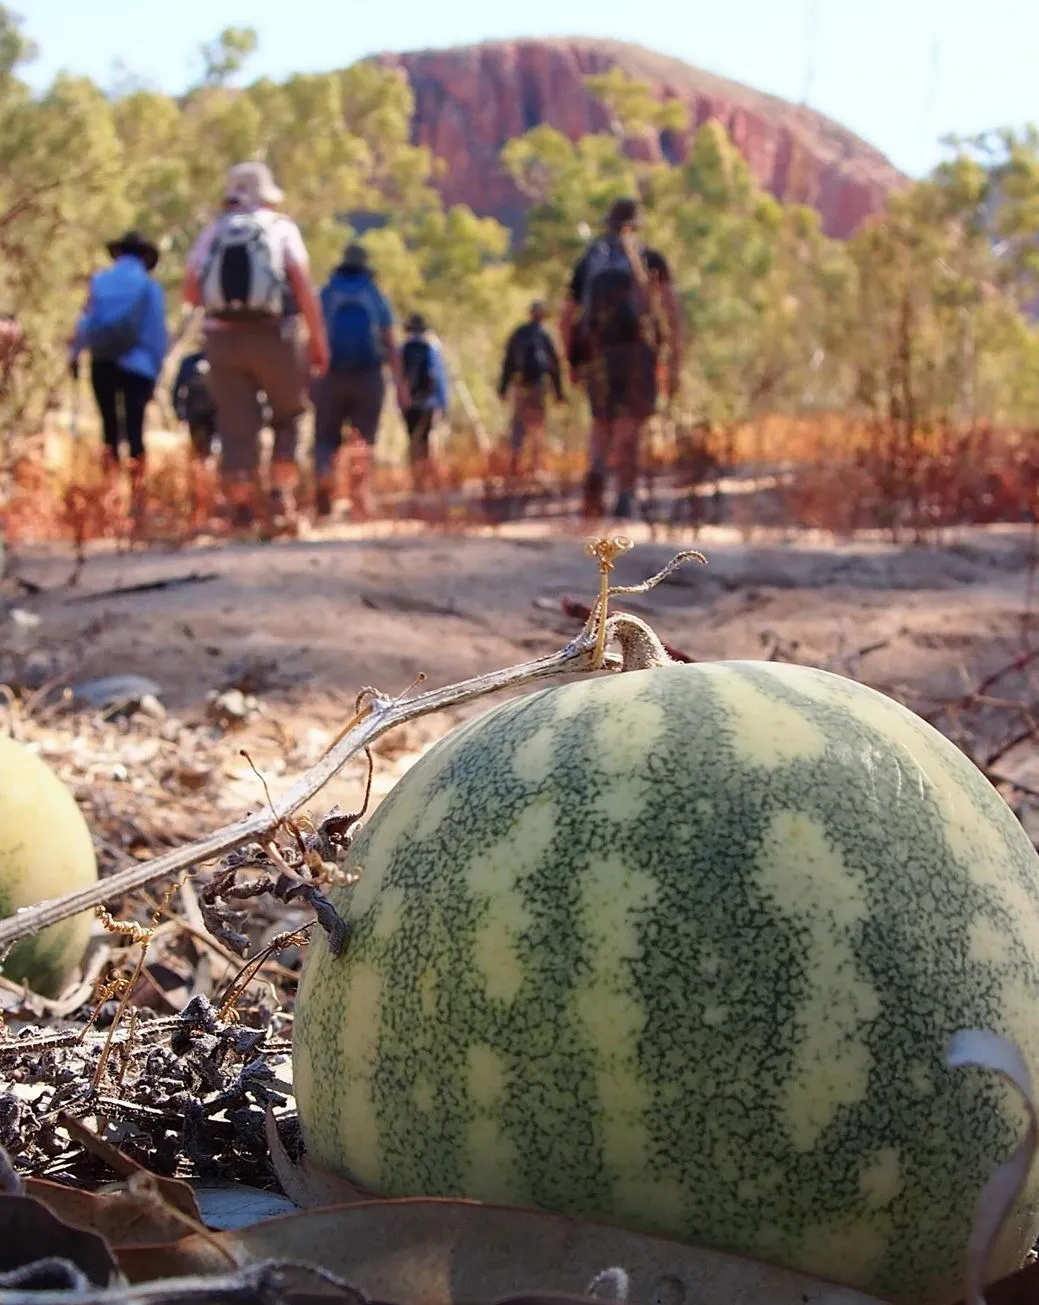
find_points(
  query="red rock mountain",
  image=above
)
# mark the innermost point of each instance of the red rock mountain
(470, 100)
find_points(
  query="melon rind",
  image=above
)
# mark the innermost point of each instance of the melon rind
(45, 851)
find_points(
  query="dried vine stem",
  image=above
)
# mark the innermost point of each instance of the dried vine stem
(379, 715)
(255, 1284)
(640, 648)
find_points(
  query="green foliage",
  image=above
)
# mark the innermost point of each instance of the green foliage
(227, 55)
(15, 46)
(633, 108)
(920, 317)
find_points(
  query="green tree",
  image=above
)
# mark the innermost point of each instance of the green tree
(15, 47)
(224, 58)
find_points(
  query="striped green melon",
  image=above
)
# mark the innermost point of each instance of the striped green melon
(682, 949)
(45, 851)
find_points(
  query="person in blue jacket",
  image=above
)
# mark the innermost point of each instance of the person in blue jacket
(425, 375)
(123, 327)
(361, 343)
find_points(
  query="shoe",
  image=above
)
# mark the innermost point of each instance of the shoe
(359, 464)
(240, 516)
(281, 510)
(362, 506)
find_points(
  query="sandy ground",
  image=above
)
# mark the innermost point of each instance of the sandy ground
(317, 620)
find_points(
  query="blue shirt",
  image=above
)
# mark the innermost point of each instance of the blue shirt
(439, 398)
(124, 279)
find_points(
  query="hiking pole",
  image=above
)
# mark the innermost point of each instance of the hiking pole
(74, 405)
(483, 440)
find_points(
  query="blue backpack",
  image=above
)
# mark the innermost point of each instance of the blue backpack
(114, 327)
(351, 311)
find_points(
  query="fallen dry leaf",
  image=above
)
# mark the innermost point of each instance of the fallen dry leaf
(121, 1217)
(174, 1191)
(439, 1252)
(30, 1232)
(306, 1184)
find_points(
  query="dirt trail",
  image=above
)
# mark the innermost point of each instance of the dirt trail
(318, 619)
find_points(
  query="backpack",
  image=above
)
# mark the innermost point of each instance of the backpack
(199, 408)
(417, 363)
(350, 320)
(611, 301)
(535, 364)
(244, 273)
(115, 328)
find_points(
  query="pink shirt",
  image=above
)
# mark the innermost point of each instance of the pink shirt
(295, 252)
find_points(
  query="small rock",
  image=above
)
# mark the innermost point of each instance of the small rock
(141, 753)
(37, 669)
(150, 706)
(232, 707)
(314, 745)
(124, 691)
(193, 778)
(251, 674)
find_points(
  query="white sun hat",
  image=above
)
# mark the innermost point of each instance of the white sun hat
(252, 184)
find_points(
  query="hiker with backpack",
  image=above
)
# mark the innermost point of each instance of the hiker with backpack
(359, 323)
(193, 404)
(530, 365)
(621, 314)
(425, 375)
(250, 272)
(123, 328)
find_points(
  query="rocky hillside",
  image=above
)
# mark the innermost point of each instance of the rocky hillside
(472, 99)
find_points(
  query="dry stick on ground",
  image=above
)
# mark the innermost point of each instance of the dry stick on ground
(971, 697)
(640, 647)
(253, 1284)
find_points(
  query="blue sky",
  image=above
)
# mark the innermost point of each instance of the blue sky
(901, 73)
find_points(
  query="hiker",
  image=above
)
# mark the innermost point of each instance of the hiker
(11, 336)
(425, 375)
(193, 403)
(12, 340)
(530, 365)
(250, 272)
(620, 312)
(123, 327)
(359, 324)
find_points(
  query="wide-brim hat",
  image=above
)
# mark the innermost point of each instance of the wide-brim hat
(132, 242)
(252, 184)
